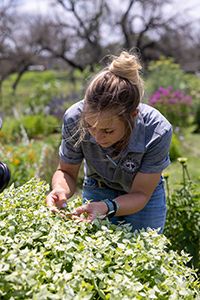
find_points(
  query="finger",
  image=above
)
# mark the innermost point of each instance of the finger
(81, 219)
(50, 202)
(60, 196)
(89, 218)
(61, 203)
(77, 219)
(80, 210)
(51, 197)
(54, 209)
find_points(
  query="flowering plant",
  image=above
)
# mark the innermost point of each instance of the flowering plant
(36, 159)
(175, 105)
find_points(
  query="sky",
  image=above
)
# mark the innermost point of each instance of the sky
(41, 6)
(189, 9)
(38, 6)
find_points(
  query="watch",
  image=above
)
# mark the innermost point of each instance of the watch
(112, 206)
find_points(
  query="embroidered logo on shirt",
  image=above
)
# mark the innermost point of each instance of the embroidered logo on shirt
(129, 165)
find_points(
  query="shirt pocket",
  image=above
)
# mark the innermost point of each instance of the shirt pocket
(127, 169)
(97, 163)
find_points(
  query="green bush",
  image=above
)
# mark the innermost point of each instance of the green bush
(32, 78)
(40, 125)
(43, 256)
(28, 160)
(197, 119)
(183, 218)
(35, 91)
(165, 72)
(193, 87)
(11, 131)
(175, 148)
(39, 99)
(31, 125)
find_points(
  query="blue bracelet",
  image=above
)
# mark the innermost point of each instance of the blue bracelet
(112, 206)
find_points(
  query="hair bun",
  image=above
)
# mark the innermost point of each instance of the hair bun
(127, 66)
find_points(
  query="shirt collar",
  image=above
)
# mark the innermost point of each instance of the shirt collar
(137, 138)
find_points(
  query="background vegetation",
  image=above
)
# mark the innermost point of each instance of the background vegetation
(30, 140)
(33, 115)
(45, 65)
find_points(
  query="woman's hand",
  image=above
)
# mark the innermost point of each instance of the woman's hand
(91, 211)
(56, 199)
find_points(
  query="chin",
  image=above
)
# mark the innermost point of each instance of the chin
(105, 145)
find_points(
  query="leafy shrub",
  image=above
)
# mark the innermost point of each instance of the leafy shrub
(45, 257)
(32, 78)
(41, 96)
(33, 125)
(193, 87)
(197, 119)
(173, 104)
(11, 131)
(165, 72)
(183, 218)
(25, 161)
(38, 125)
(175, 147)
(29, 84)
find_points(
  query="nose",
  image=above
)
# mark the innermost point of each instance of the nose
(99, 136)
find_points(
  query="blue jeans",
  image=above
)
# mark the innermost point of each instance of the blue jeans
(153, 215)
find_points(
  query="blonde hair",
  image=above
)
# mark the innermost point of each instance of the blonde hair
(118, 87)
(127, 66)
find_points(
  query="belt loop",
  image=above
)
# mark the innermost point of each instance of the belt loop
(100, 185)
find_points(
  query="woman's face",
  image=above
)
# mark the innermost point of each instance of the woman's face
(106, 127)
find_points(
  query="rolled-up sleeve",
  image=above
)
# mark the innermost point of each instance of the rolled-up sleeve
(69, 151)
(156, 158)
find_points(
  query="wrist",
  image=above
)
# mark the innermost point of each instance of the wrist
(112, 207)
(103, 208)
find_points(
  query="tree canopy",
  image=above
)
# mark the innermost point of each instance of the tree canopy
(80, 34)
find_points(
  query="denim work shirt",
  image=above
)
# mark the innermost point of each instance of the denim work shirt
(146, 152)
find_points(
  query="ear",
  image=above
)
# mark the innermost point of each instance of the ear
(134, 113)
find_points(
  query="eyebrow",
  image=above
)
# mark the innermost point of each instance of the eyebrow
(105, 128)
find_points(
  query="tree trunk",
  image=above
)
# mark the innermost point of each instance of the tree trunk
(17, 80)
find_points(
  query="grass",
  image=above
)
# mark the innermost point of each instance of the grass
(37, 87)
(191, 150)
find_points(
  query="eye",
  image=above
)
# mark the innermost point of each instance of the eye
(108, 131)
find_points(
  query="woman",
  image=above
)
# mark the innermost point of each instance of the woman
(125, 147)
